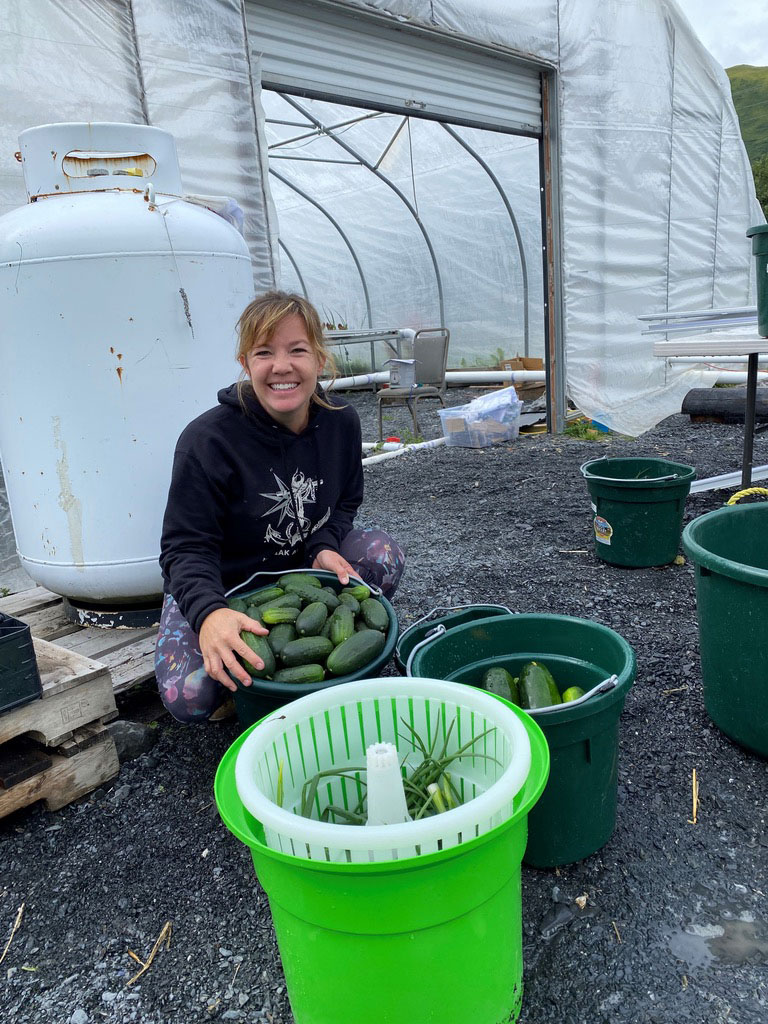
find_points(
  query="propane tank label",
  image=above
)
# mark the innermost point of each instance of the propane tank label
(603, 530)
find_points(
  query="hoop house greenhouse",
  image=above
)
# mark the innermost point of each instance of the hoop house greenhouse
(532, 176)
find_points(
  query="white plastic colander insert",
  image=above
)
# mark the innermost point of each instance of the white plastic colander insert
(330, 731)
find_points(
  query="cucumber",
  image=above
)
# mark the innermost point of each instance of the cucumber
(326, 630)
(361, 625)
(572, 693)
(237, 604)
(356, 652)
(300, 674)
(285, 601)
(279, 636)
(497, 680)
(265, 595)
(306, 650)
(358, 590)
(254, 612)
(350, 601)
(273, 616)
(309, 592)
(342, 625)
(537, 687)
(304, 577)
(374, 614)
(258, 644)
(312, 619)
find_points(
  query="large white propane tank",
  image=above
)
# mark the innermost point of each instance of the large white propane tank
(118, 304)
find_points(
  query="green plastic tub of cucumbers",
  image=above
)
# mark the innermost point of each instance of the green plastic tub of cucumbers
(321, 633)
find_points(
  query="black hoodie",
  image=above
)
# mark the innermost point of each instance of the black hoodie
(247, 494)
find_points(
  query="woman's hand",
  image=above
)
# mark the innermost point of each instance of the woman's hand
(332, 561)
(220, 642)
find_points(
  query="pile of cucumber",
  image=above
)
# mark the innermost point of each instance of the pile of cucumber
(533, 688)
(314, 630)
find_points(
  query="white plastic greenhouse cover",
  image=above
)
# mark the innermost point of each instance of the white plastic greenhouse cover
(655, 187)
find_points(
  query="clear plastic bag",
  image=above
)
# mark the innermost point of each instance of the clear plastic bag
(486, 420)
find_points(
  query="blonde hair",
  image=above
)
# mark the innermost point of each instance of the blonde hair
(259, 321)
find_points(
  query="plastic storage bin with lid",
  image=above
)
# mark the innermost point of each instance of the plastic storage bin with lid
(387, 923)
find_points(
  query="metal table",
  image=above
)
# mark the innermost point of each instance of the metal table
(394, 337)
(698, 320)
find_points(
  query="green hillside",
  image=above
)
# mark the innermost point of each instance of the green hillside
(749, 87)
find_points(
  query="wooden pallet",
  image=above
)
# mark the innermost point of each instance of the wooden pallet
(57, 748)
(127, 653)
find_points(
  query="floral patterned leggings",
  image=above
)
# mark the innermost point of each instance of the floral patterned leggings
(188, 692)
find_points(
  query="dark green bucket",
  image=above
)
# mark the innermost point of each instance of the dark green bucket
(638, 509)
(265, 695)
(730, 550)
(576, 814)
(759, 236)
(455, 615)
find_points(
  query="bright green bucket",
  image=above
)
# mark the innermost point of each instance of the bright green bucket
(576, 814)
(435, 938)
(730, 550)
(638, 509)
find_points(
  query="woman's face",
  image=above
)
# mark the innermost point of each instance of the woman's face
(284, 372)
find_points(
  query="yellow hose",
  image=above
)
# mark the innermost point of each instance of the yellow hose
(745, 493)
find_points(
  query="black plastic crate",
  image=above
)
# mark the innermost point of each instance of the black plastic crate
(19, 675)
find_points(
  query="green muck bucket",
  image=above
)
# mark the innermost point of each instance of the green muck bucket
(759, 236)
(638, 509)
(576, 814)
(730, 550)
(453, 615)
(374, 926)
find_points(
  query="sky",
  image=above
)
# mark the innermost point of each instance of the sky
(734, 31)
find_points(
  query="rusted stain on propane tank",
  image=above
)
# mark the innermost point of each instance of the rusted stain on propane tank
(70, 505)
(79, 164)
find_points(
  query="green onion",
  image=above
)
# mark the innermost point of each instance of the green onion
(428, 786)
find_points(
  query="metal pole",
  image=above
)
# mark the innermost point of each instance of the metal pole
(523, 268)
(295, 266)
(551, 253)
(390, 184)
(749, 421)
(338, 227)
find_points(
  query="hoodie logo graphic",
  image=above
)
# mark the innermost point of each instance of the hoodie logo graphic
(291, 515)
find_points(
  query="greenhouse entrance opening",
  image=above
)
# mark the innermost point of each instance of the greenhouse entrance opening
(390, 221)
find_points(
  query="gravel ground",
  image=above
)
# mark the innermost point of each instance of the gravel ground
(674, 925)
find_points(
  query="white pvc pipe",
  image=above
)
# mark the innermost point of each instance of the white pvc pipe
(735, 377)
(714, 360)
(716, 483)
(451, 377)
(383, 446)
(401, 451)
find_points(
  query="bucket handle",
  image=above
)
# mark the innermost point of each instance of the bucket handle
(624, 480)
(285, 572)
(454, 608)
(433, 634)
(603, 687)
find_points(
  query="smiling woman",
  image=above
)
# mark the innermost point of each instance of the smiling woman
(283, 362)
(268, 480)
